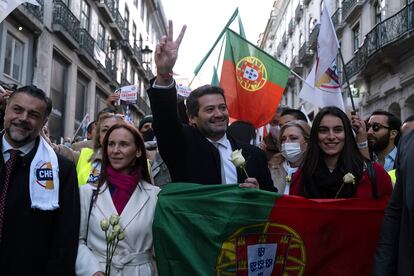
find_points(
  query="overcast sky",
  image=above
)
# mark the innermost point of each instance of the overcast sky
(205, 19)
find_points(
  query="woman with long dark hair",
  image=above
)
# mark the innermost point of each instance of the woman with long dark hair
(334, 167)
(124, 189)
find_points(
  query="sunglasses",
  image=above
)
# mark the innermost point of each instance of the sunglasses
(376, 127)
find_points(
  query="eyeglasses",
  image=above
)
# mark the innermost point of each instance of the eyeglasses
(376, 127)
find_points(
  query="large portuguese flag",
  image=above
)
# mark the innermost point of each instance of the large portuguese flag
(227, 230)
(253, 81)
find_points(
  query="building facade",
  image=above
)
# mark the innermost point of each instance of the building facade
(81, 51)
(375, 38)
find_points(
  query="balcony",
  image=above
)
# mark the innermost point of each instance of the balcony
(124, 79)
(298, 12)
(143, 106)
(30, 16)
(295, 65)
(305, 54)
(105, 8)
(337, 20)
(102, 72)
(127, 47)
(86, 48)
(291, 26)
(284, 39)
(118, 26)
(137, 56)
(386, 41)
(313, 37)
(279, 49)
(350, 8)
(65, 24)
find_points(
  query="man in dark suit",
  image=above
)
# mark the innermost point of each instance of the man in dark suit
(39, 216)
(199, 152)
(395, 251)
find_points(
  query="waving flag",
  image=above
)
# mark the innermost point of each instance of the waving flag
(322, 87)
(328, 44)
(326, 92)
(7, 6)
(227, 230)
(253, 81)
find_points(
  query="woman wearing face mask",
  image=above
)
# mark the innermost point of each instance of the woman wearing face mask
(294, 137)
(334, 167)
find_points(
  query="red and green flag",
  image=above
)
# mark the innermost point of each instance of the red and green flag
(253, 81)
(227, 230)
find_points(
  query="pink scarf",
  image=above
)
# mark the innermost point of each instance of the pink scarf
(124, 185)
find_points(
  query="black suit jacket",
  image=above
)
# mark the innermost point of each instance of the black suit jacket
(395, 251)
(190, 157)
(37, 242)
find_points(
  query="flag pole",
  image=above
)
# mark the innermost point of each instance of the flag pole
(215, 43)
(347, 80)
(302, 79)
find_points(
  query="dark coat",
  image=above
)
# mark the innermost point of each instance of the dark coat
(395, 251)
(37, 242)
(190, 157)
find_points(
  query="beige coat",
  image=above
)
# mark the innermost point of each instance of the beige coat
(134, 255)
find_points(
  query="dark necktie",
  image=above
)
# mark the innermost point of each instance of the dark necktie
(223, 173)
(8, 169)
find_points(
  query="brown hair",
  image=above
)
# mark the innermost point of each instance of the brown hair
(141, 163)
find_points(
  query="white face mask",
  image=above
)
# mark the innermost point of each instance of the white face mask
(291, 152)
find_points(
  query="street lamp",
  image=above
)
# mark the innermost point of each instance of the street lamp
(147, 56)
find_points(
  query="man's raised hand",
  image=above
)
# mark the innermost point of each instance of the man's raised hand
(166, 52)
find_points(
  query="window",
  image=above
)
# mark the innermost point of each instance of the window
(136, 3)
(81, 93)
(132, 78)
(101, 36)
(100, 102)
(356, 36)
(134, 33)
(378, 11)
(300, 39)
(148, 21)
(310, 25)
(58, 96)
(126, 18)
(13, 62)
(84, 18)
(142, 10)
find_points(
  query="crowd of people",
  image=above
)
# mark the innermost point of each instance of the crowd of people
(54, 197)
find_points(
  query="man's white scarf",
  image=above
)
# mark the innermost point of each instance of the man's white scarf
(44, 178)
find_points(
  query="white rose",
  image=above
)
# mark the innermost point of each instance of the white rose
(237, 158)
(114, 219)
(121, 236)
(117, 229)
(349, 178)
(104, 224)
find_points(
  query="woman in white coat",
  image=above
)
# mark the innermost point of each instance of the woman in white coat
(123, 189)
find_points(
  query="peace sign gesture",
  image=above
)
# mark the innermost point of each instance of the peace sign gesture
(166, 52)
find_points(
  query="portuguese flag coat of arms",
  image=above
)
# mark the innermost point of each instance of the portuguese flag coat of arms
(253, 81)
(227, 230)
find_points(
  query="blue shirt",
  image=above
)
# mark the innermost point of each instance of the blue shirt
(389, 159)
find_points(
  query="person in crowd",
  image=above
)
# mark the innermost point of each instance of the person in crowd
(395, 255)
(294, 140)
(124, 188)
(89, 162)
(407, 125)
(383, 134)
(90, 135)
(243, 132)
(199, 152)
(39, 197)
(291, 114)
(334, 167)
(145, 124)
(270, 144)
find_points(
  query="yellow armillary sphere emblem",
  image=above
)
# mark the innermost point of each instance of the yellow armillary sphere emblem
(251, 73)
